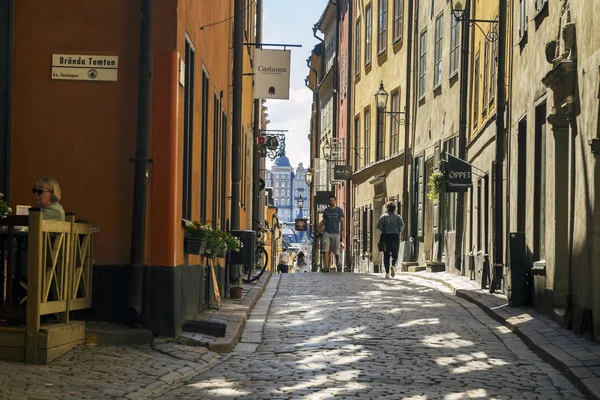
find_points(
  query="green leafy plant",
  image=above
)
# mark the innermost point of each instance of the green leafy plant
(4, 208)
(215, 240)
(436, 185)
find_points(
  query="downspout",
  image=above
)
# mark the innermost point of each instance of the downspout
(141, 160)
(236, 136)
(256, 214)
(407, 159)
(462, 131)
(415, 101)
(11, 37)
(349, 120)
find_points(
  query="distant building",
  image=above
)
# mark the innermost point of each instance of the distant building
(288, 187)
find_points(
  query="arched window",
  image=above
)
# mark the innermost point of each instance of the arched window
(276, 192)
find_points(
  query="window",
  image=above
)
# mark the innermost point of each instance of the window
(494, 60)
(398, 13)
(382, 27)
(277, 193)
(437, 51)
(523, 18)
(204, 141)
(223, 169)
(216, 161)
(422, 62)
(454, 41)
(368, 21)
(357, 45)
(539, 5)
(486, 66)
(367, 136)
(356, 143)
(380, 132)
(394, 144)
(476, 92)
(188, 132)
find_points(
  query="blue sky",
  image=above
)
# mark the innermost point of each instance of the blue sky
(291, 22)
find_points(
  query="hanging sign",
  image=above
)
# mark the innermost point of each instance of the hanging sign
(458, 175)
(80, 67)
(272, 74)
(342, 172)
(300, 224)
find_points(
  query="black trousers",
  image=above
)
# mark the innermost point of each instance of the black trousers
(392, 244)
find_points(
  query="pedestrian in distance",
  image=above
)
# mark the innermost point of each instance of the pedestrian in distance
(283, 266)
(332, 227)
(390, 224)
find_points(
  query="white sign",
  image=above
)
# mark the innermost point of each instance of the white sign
(83, 67)
(272, 74)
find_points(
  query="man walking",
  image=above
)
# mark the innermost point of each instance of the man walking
(332, 227)
(390, 224)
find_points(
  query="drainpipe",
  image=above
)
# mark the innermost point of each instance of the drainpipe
(9, 75)
(462, 130)
(499, 183)
(141, 160)
(236, 139)
(256, 214)
(349, 139)
(407, 159)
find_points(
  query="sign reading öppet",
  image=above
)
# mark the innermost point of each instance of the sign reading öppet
(84, 67)
(458, 175)
(272, 74)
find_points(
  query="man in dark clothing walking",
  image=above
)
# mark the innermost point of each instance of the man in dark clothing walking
(332, 227)
(390, 224)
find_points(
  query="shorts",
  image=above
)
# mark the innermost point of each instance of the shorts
(330, 241)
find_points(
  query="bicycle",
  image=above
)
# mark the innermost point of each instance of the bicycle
(261, 258)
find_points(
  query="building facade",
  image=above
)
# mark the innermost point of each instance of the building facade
(84, 135)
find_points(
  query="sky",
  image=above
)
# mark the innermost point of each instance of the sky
(291, 22)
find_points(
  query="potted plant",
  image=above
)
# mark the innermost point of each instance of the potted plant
(436, 185)
(4, 208)
(196, 236)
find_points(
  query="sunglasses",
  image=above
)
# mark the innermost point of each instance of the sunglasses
(39, 191)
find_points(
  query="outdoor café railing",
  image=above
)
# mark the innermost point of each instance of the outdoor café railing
(59, 271)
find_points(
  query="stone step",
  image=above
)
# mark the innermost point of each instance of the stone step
(109, 334)
(434, 266)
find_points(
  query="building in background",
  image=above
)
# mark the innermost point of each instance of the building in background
(288, 186)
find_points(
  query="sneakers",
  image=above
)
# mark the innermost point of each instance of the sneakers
(387, 276)
(393, 271)
(339, 268)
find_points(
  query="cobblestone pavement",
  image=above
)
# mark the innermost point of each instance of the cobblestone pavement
(104, 372)
(353, 336)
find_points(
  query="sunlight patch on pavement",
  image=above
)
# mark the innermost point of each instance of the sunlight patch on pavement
(420, 322)
(470, 394)
(450, 340)
(465, 363)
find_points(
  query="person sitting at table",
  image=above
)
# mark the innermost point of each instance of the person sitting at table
(46, 193)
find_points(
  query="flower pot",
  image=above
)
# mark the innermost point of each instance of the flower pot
(236, 292)
(192, 245)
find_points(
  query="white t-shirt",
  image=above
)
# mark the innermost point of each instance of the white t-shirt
(284, 258)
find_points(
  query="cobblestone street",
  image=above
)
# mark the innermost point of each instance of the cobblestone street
(356, 336)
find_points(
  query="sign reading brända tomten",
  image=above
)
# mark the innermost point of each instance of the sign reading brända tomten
(84, 67)
(272, 74)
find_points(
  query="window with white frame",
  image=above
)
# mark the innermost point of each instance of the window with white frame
(454, 42)
(357, 49)
(394, 142)
(367, 137)
(494, 61)
(437, 51)
(476, 92)
(422, 62)
(356, 142)
(486, 67)
(398, 14)
(368, 21)
(382, 26)
(523, 18)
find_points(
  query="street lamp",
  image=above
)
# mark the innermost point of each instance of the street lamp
(300, 203)
(381, 98)
(327, 150)
(308, 178)
(459, 11)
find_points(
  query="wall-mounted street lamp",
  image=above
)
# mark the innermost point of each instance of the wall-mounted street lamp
(381, 100)
(327, 150)
(300, 203)
(308, 178)
(459, 11)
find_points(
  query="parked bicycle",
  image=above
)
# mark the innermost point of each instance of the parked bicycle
(261, 258)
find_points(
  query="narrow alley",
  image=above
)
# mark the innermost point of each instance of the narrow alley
(352, 336)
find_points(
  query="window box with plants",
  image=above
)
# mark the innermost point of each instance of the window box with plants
(436, 185)
(202, 239)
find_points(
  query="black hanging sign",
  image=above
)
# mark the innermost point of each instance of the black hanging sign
(458, 175)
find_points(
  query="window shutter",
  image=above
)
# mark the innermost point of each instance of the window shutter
(436, 203)
(421, 198)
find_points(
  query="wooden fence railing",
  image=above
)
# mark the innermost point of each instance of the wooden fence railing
(59, 272)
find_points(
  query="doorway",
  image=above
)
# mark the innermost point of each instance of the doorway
(428, 235)
(6, 29)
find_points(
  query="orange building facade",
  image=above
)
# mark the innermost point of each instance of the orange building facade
(83, 133)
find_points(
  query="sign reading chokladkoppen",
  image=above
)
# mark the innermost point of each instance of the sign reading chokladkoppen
(84, 67)
(272, 74)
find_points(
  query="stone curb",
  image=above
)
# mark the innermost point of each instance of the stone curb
(235, 327)
(173, 379)
(589, 386)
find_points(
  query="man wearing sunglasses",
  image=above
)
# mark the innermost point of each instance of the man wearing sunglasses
(46, 194)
